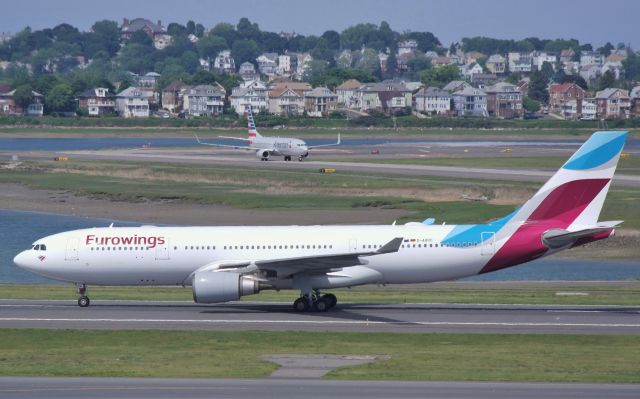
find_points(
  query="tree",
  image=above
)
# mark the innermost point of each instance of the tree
(606, 49)
(210, 45)
(106, 37)
(332, 39)
(577, 79)
(199, 30)
(314, 71)
(191, 28)
(530, 105)
(606, 81)
(368, 61)
(141, 38)
(226, 31)
(23, 96)
(547, 71)
(418, 63)
(248, 30)
(176, 29)
(391, 65)
(440, 76)
(245, 51)
(538, 87)
(60, 99)
(632, 66)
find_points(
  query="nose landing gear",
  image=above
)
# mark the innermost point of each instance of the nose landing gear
(83, 301)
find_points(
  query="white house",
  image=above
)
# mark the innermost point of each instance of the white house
(589, 109)
(224, 62)
(304, 59)
(204, 100)
(470, 69)
(252, 93)
(133, 102)
(538, 58)
(591, 58)
(433, 100)
(470, 102)
(520, 62)
(347, 93)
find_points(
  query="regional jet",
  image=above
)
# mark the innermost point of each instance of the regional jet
(225, 263)
(266, 147)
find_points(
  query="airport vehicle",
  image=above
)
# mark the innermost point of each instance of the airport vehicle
(266, 147)
(224, 263)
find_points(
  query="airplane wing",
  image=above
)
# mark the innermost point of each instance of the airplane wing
(236, 147)
(325, 145)
(285, 267)
(313, 263)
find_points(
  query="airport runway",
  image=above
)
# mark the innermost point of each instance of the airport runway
(415, 318)
(245, 160)
(69, 388)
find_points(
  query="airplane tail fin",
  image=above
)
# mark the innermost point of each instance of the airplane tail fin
(253, 132)
(569, 202)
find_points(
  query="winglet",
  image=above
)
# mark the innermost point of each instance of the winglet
(197, 139)
(391, 246)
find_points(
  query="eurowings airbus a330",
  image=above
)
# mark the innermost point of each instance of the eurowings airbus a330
(225, 263)
(266, 147)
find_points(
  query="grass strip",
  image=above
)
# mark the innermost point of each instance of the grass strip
(419, 357)
(552, 294)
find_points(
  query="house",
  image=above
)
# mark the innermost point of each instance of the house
(472, 57)
(172, 96)
(433, 100)
(133, 102)
(520, 62)
(538, 58)
(407, 47)
(483, 79)
(613, 103)
(504, 100)
(591, 58)
(470, 69)
(247, 71)
(615, 67)
(496, 64)
(224, 63)
(97, 102)
(285, 101)
(441, 61)
(589, 109)
(470, 102)
(561, 94)
(155, 31)
(590, 72)
(523, 85)
(250, 94)
(302, 64)
(386, 96)
(320, 101)
(346, 93)
(9, 106)
(286, 64)
(267, 63)
(635, 101)
(286, 97)
(456, 85)
(150, 79)
(204, 100)
(571, 67)
(567, 55)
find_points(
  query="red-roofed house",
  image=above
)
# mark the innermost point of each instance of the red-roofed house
(561, 94)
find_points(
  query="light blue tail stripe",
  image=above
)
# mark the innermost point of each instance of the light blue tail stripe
(473, 232)
(598, 150)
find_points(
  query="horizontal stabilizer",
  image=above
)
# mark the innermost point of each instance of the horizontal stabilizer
(558, 238)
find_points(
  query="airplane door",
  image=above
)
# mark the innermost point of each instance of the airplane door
(353, 245)
(162, 250)
(71, 252)
(488, 243)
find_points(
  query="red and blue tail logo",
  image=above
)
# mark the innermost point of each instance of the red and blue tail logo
(570, 201)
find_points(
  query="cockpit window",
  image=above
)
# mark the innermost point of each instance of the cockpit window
(40, 247)
(36, 247)
(43, 247)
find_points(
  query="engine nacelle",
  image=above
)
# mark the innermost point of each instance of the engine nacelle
(212, 287)
(263, 154)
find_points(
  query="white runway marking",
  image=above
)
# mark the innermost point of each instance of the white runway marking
(320, 322)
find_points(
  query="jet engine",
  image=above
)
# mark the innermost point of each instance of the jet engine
(263, 154)
(212, 287)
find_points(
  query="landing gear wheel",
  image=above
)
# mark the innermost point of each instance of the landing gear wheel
(321, 305)
(83, 301)
(300, 158)
(331, 299)
(287, 158)
(301, 304)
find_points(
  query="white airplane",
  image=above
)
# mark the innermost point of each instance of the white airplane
(225, 263)
(265, 147)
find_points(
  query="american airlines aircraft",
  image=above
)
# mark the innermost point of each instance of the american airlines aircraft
(225, 263)
(265, 147)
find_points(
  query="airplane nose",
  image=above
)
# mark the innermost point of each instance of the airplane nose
(22, 260)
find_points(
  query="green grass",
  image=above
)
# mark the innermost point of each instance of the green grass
(630, 165)
(601, 294)
(450, 357)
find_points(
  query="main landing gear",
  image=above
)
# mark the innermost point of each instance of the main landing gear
(287, 158)
(315, 301)
(83, 301)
